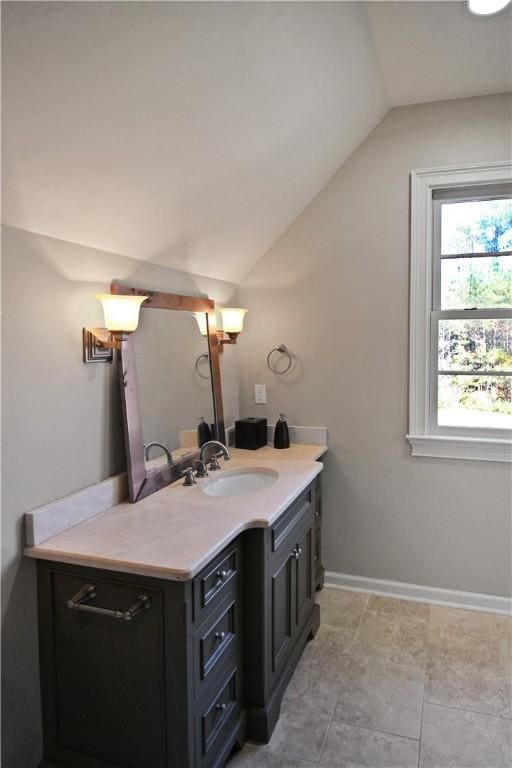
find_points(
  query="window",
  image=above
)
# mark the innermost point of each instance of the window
(461, 313)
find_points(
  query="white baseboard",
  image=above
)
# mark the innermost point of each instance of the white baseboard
(472, 601)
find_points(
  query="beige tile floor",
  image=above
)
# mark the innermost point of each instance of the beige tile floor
(392, 684)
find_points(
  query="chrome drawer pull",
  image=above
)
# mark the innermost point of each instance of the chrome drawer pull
(221, 575)
(221, 707)
(79, 602)
(220, 636)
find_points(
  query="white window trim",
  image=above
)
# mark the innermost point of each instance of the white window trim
(423, 441)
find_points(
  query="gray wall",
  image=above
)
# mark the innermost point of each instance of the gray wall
(334, 288)
(61, 426)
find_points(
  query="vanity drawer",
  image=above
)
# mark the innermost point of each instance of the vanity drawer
(215, 640)
(294, 516)
(217, 715)
(216, 581)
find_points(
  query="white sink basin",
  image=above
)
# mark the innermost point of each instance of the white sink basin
(238, 482)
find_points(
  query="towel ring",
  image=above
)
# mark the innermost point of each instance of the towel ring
(282, 348)
(202, 357)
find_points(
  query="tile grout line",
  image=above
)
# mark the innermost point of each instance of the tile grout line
(424, 683)
(358, 630)
(378, 730)
(326, 734)
(469, 711)
(505, 672)
(349, 652)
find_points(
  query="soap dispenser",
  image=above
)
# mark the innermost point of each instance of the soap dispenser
(281, 433)
(203, 432)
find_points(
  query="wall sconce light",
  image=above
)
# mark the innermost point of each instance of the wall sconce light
(201, 322)
(229, 322)
(121, 319)
(232, 322)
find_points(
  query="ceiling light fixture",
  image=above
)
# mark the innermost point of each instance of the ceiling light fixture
(486, 7)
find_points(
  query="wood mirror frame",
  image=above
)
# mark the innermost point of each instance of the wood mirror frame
(142, 482)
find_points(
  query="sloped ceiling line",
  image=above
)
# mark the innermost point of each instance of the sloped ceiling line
(188, 134)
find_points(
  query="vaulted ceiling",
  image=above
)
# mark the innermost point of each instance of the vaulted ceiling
(430, 51)
(192, 134)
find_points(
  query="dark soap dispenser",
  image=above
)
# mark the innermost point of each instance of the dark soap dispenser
(203, 432)
(281, 433)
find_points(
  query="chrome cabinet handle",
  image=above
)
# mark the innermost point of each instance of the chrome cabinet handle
(221, 575)
(221, 707)
(297, 552)
(79, 602)
(220, 636)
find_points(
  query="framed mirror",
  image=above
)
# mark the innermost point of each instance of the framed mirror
(170, 378)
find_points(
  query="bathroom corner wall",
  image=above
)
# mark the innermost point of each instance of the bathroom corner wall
(335, 289)
(62, 427)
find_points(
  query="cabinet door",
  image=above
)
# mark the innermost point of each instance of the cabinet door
(304, 576)
(282, 610)
(109, 676)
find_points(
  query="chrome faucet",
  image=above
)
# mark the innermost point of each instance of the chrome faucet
(214, 463)
(159, 445)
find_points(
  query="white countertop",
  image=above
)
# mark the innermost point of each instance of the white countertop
(176, 531)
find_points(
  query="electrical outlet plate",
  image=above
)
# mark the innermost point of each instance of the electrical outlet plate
(260, 393)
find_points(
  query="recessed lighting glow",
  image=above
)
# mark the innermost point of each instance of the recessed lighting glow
(486, 7)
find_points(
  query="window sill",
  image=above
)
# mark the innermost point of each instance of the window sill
(476, 448)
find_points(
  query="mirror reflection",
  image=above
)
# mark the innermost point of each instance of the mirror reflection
(175, 388)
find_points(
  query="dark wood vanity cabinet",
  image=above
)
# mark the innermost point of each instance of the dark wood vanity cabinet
(140, 672)
(162, 689)
(317, 556)
(280, 585)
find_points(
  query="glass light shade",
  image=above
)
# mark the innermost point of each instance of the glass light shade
(486, 7)
(121, 312)
(201, 321)
(232, 319)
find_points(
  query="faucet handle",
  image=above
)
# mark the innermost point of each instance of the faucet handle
(214, 464)
(188, 474)
(201, 469)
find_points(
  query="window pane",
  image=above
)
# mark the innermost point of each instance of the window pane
(475, 401)
(475, 345)
(476, 226)
(476, 282)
